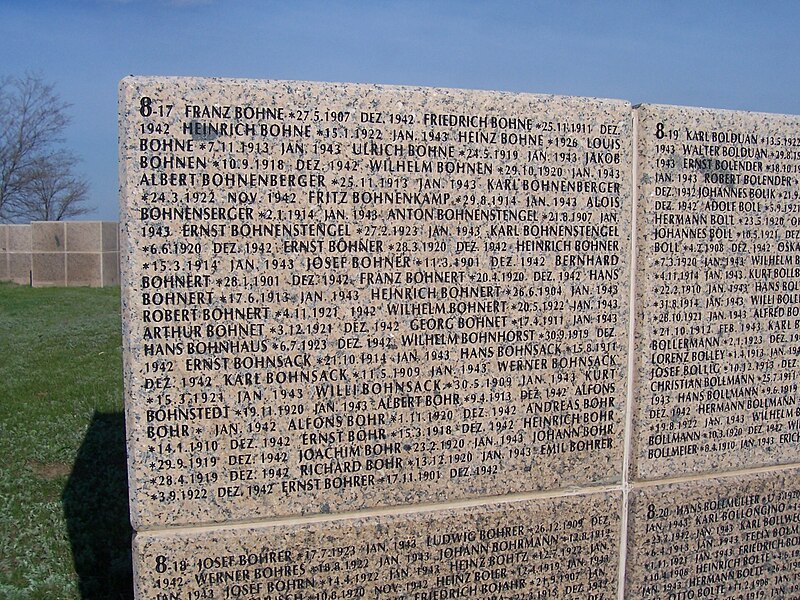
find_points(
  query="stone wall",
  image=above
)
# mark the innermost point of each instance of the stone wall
(60, 253)
(15, 253)
(387, 342)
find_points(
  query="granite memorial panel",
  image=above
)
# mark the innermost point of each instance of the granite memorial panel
(348, 296)
(376, 344)
(718, 287)
(549, 548)
(733, 537)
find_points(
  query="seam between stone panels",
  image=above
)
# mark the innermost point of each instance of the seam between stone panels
(628, 438)
(66, 258)
(387, 511)
(714, 475)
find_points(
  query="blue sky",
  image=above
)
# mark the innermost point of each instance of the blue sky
(724, 54)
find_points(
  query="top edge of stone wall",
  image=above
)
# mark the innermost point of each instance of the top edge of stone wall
(75, 221)
(729, 112)
(152, 79)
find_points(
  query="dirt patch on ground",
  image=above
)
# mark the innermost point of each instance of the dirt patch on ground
(50, 470)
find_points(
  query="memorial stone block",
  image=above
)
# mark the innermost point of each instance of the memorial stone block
(348, 296)
(718, 287)
(550, 548)
(733, 537)
(376, 344)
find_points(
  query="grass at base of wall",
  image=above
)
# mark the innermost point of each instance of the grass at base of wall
(63, 492)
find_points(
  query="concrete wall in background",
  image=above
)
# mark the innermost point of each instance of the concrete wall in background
(60, 253)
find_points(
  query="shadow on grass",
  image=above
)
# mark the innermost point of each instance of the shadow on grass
(95, 503)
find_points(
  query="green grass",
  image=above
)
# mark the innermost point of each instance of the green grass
(64, 530)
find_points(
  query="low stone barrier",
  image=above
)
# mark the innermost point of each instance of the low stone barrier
(60, 253)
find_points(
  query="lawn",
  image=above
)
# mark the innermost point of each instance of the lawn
(64, 530)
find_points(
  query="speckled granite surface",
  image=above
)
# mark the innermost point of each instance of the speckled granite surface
(376, 344)
(344, 296)
(564, 548)
(718, 333)
(720, 538)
